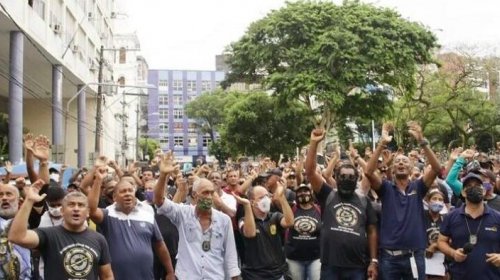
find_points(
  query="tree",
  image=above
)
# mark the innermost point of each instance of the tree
(448, 103)
(209, 109)
(148, 147)
(331, 57)
(260, 124)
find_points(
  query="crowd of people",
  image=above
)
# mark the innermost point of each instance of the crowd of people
(382, 215)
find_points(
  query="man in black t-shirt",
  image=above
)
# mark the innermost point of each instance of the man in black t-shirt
(261, 230)
(70, 251)
(349, 232)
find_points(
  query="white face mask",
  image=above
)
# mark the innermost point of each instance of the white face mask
(264, 204)
(55, 211)
(54, 177)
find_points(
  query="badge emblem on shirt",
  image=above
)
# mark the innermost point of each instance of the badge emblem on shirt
(272, 229)
(493, 228)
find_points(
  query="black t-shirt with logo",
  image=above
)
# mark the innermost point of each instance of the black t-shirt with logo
(264, 256)
(302, 242)
(344, 239)
(432, 228)
(72, 255)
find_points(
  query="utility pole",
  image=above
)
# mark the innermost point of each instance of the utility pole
(98, 118)
(124, 130)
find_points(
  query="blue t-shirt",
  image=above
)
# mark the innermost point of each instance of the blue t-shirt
(402, 225)
(488, 241)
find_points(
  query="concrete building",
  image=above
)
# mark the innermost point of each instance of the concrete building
(166, 119)
(49, 51)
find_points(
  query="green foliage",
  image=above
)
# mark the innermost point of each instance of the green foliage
(148, 146)
(319, 51)
(448, 105)
(262, 124)
(209, 109)
(4, 132)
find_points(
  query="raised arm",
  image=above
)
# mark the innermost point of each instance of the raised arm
(182, 189)
(96, 213)
(416, 131)
(8, 172)
(317, 135)
(132, 170)
(328, 172)
(243, 188)
(371, 166)
(167, 166)
(249, 229)
(288, 219)
(29, 141)
(19, 233)
(116, 168)
(41, 148)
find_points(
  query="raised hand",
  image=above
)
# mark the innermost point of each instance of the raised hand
(8, 167)
(113, 165)
(455, 153)
(41, 148)
(101, 173)
(167, 163)
(20, 183)
(385, 138)
(241, 200)
(468, 154)
(101, 161)
(415, 130)
(317, 135)
(132, 167)
(32, 192)
(29, 142)
(353, 152)
(388, 156)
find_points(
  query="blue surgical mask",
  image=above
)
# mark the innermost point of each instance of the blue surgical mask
(436, 207)
(149, 196)
(487, 186)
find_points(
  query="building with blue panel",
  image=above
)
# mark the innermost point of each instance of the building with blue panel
(166, 119)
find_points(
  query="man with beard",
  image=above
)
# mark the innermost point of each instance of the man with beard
(130, 228)
(14, 260)
(206, 242)
(402, 229)
(302, 240)
(349, 231)
(70, 250)
(474, 230)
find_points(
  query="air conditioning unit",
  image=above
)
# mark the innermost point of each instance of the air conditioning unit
(75, 48)
(57, 28)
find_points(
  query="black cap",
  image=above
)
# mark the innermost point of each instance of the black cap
(275, 171)
(53, 170)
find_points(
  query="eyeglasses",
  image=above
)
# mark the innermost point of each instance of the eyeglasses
(348, 177)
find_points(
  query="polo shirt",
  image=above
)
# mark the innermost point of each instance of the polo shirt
(130, 239)
(264, 256)
(488, 241)
(402, 225)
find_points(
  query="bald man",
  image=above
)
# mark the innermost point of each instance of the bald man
(14, 259)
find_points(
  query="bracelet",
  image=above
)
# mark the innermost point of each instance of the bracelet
(423, 143)
(375, 261)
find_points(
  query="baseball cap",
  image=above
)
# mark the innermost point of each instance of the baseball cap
(471, 176)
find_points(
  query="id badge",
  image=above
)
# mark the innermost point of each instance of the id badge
(473, 239)
(414, 269)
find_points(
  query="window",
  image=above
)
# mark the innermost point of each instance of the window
(163, 85)
(178, 141)
(206, 141)
(206, 86)
(178, 113)
(191, 85)
(38, 6)
(163, 100)
(190, 98)
(178, 127)
(123, 55)
(164, 142)
(121, 81)
(193, 141)
(177, 85)
(177, 100)
(163, 113)
(192, 127)
(163, 128)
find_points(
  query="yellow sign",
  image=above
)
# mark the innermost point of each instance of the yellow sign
(272, 229)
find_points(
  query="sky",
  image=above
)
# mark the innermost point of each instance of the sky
(187, 34)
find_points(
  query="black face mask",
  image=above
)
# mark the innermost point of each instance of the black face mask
(346, 188)
(303, 198)
(474, 194)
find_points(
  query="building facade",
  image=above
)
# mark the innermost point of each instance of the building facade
(167, 121)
